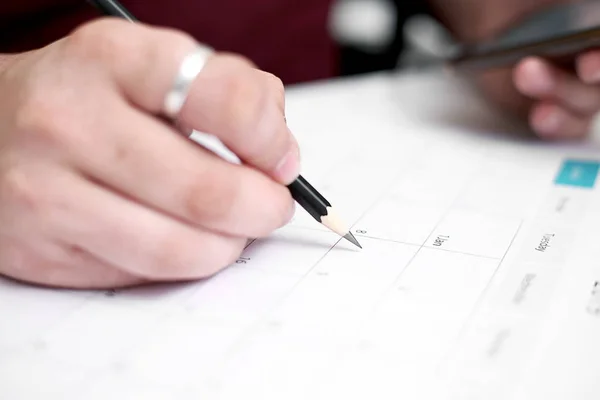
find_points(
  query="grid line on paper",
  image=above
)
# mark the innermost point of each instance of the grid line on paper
(450, 207)
(257, 323)
(247, 333)
(422, 245)
(432, 231)
(464, 253)
(231, 350)
(249, 243)
(384, 191)
(480, 298)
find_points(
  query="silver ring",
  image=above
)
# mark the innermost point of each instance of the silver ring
(191, 66)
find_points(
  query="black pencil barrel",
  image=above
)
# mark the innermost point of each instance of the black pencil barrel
(308, 198)
(112, 8)
(314, 191)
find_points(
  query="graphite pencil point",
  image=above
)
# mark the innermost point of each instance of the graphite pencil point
(350, 237)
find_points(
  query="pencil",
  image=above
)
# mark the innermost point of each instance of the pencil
(302, 192)
(319, 208)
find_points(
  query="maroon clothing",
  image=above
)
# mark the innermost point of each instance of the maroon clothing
(286, 37)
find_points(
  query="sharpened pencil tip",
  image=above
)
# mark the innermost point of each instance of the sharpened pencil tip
(350, 237)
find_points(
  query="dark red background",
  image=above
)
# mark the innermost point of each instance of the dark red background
(286, 37)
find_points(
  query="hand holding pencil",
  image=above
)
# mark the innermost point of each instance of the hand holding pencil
(98, 189)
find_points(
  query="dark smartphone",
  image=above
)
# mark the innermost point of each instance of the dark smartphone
(557, 33)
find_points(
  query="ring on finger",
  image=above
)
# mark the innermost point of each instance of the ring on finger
(189, 69)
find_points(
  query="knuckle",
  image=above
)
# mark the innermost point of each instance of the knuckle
(100, 44)
(43, 120)
(277, 90)
(174, 36)
(18, 190)
(98, 39)
(102, 40)
(39, 116)
(237, 60)
(32, 111)
(275, 83)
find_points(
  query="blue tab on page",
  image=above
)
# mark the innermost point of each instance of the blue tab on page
(578, 173)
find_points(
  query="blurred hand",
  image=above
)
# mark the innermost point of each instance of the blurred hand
(564, 102)
(557, 103)
(97, 191)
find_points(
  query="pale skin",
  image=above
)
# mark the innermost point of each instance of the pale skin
(97, 191)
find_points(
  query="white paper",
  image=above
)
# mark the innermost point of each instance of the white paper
(477, 279)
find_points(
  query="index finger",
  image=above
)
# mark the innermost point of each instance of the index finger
(229, 99)
(244, 107)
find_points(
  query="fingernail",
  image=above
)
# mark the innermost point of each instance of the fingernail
(288, 168)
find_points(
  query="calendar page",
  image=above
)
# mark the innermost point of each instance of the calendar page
(478, 279)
